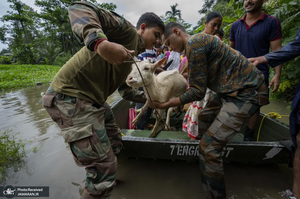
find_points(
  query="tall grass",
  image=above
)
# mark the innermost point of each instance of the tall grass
(11, 152)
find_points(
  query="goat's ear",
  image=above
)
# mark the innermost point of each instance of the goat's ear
(159, 63)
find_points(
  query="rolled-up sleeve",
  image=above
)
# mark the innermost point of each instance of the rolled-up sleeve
(85, 23)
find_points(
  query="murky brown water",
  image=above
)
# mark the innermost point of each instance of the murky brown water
(52, 165)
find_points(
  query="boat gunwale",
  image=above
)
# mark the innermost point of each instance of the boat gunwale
(181, 141)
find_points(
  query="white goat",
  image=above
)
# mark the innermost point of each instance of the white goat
(163, 87)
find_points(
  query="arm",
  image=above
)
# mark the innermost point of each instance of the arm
(88, 28)
(197, 71)
(86, 24)
(196, 52)
(285, 54)
(275, 45)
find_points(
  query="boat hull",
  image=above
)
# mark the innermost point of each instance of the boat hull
(273, 145)
(184, 149)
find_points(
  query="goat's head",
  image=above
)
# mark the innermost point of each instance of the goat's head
(147, 70)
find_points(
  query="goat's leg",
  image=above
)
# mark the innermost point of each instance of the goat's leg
(167, 127)
(142, 110)
(137, 111)
(159, 123)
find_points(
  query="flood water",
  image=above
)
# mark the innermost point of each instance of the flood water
(49, 162)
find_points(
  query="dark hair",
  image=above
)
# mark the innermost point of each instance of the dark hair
(212, 15)
(221, 32)
(170, 26)
(151, 20)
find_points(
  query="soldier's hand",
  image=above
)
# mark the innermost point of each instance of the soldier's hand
(114, 53)
(258, 60)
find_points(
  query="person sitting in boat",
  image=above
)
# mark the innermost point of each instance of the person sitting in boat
(240, 91)
(285, 54)
(76, 98)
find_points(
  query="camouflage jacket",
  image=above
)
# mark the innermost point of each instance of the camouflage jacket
(213, 64)
(87, 75)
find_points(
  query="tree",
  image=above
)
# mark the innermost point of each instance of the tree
(21, 31)
(40, 37)
(231, 10)
(58, 37)
(207, 6)
(173, 15)
(288, 13)
(108, 6)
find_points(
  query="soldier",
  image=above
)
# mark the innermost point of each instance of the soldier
(240, 91)
(76, 97)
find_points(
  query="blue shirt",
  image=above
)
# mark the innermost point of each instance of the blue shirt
(149, 54)
(254, 40)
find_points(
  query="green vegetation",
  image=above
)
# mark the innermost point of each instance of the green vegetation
(11, 152)
(288, 13)
(35, 150)
(39, 37)
(45, 37)
(16, 76)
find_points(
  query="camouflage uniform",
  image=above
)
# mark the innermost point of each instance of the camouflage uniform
(76, 97)
(93, 138)
(240, 91)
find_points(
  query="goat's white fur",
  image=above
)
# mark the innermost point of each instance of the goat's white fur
(162, 88)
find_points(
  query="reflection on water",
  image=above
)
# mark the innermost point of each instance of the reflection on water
(52, 165)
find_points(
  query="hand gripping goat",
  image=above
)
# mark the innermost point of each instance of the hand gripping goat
(163, 87)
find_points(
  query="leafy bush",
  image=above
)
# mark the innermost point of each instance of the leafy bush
(11, 152)
(5, 60)
(25, 54)
(16, 76)
(62, 59)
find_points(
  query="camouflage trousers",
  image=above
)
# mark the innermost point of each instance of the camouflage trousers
(220, 120)
(93, 137)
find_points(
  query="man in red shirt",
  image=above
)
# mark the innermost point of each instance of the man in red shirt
(253, 35)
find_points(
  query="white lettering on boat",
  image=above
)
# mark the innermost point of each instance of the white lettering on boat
(272, 152)
(192, 150)
(226, 151)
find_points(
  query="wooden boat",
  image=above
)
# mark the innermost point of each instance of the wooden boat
(273, 145)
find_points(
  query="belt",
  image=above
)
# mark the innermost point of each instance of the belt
(61, 96)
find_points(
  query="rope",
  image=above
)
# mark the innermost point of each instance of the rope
(156, 112)
(272, 115)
